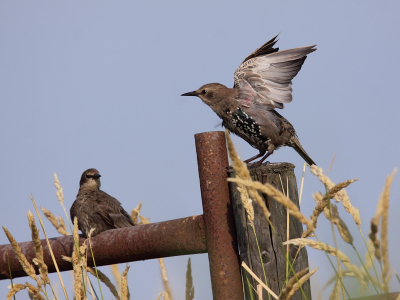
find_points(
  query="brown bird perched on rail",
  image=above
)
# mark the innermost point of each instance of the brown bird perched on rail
(263, 82)
(95, 208)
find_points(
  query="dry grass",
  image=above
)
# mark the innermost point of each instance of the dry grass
(57, 222)
(249, 191)
(189, 292)
(243, 173)
(277, 196)
(295, 282)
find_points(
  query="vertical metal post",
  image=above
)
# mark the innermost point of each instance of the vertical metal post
(221, 239)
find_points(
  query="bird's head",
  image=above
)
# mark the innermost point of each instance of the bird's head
(210, 93)
(90, 179)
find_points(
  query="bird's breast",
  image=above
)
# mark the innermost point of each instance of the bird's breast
(243, 125)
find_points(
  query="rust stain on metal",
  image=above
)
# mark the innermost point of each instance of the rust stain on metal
(222, 247)
(164, 239)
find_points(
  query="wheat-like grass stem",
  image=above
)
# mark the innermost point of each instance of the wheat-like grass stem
(302, 183)
(50, 249)
(258, 280)
(244, 175)
(261, 260)
(9, 272)
(384, 229)
(116, 274)
(366, 271)
(60, 197)
(26, 266)
(58, 223)
(371, 260)
(277, 196)
(95, 268)
(303, 279)
(15, 289)
(125, 295)
(335, 243)
(189, 291)
(249, 286)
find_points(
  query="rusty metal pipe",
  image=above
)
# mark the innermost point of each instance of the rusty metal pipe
(222, 246)
(170, 238)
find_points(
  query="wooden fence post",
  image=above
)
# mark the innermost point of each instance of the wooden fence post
(272, 252)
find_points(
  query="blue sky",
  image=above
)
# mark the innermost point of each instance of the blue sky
(97, 84)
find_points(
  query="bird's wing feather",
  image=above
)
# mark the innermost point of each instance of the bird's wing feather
(265, 49)
(112, 212)
(270, 76)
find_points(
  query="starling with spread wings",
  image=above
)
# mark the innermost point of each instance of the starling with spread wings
(95, 208)
(262, 83)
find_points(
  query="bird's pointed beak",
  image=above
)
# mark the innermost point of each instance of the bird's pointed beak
(97, 175)
(194, 93)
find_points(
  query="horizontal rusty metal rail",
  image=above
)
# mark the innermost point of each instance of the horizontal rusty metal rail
(164, 239)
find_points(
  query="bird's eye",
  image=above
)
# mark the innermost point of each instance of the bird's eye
(204, 92)
(89, 176)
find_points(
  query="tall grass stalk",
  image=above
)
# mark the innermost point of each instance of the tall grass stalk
(335, 242)
(50, 249)
(9, 272)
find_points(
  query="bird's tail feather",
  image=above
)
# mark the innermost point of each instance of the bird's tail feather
(299, 149)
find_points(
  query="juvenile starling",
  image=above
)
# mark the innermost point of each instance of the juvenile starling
(95, 208)
(263, 82)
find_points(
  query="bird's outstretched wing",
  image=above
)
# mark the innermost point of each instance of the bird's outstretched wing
(266, 75)
(112, 212)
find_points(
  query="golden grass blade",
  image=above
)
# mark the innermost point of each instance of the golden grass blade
(259, 281)
(259, 292)
(15, 289)
(189, 292)
(247, 203)
(318, 209)
(125, 295)
(384, 202)
(104, 279)
(335, 294)
(330, 166)
(135, 213)
(332, 251)
(28, 268)
(340, 224)
(340, 196)
(117, 275)
(277, 196)
(373, 237)
(160, 295)
(58, 223)
(49, 247)
(290, 284)
(168, 294)
(302, 280)
(243, 173)
(37, 247)
(340, 186)
(239, 166)
(60, 195)
(76, 263)
(302, 183)
(34, 291)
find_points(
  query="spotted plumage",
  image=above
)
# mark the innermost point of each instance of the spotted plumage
(95, 208)
(262, 83)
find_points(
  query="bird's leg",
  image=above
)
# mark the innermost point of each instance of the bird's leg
(255, 157)
(264, 158)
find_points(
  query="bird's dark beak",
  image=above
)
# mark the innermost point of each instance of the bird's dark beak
(194, 93)
(97, 175)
